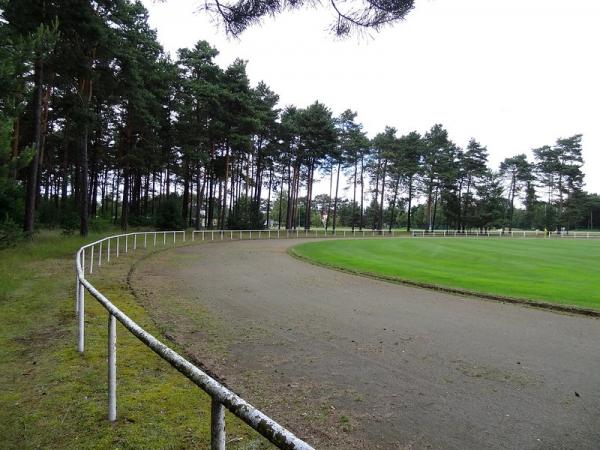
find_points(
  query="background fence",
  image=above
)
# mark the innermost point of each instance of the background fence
(220, 235)
(509, 234)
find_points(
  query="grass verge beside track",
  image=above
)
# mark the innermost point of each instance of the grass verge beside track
(53, 397)
(562, 272)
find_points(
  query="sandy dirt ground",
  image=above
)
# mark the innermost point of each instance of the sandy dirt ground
(350, 362)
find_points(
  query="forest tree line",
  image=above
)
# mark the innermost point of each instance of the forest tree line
(99, 125)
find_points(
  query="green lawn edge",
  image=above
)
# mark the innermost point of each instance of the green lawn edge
(542, 304)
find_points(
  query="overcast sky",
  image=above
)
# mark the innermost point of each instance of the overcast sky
(513, 74)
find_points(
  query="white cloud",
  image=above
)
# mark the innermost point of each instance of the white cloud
(515, 75)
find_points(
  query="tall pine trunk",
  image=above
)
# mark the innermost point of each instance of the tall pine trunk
(269, 197)
(126, 174)
(280, 213)
(29, 221)
(84, 208)
(335, 201)
(354, 195)
(309, 187)
(227, 175)
(380, 221)
(329, 201)
(362, 193)
(392, 218)
(435, 202)
(409, 212)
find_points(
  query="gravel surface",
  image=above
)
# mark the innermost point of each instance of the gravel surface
(351, 362)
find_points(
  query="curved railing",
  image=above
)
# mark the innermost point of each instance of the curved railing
(221, 397)
(221, 235)
(509, 234)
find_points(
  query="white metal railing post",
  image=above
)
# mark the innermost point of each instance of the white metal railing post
(240, 235)
(77, 295)
(92, 260)
(173, 237)
(217, 425)
(183, 235)
(155, 239)
(193, 235)
(80, 320)
(126, 242)
(108, 251)
(135, 241)
(164, 238)
(145, 240)
(251, 234)
(100, 255)
(112, 368)
(212, 235)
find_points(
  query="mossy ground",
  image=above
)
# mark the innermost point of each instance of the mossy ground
(53, 397)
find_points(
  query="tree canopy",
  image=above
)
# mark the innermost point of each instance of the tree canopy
(98, 126)
(354, 15)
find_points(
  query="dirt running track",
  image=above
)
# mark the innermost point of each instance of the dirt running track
(351, 362)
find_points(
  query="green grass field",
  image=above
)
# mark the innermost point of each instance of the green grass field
(557, 271)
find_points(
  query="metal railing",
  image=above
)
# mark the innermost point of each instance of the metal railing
(510, 234)
(221, 397)
(221, 235)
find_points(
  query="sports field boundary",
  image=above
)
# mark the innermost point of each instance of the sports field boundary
(464, 292)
